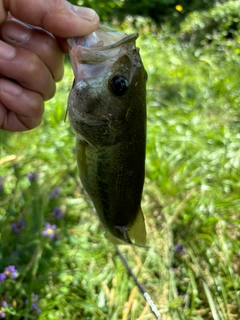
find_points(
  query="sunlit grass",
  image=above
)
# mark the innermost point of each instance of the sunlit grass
(191, 203)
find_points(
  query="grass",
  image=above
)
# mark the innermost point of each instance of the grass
(191, 265)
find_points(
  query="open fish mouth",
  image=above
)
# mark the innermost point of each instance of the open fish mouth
(103, 44)
(104, 38)
(128, 38)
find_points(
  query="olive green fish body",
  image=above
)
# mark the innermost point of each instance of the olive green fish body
(107, 112)
(108, 176)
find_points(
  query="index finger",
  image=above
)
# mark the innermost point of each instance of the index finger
(59, 17)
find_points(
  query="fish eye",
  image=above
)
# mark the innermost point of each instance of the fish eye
(119, 85)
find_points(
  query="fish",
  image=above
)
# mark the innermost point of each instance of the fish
(107, 113)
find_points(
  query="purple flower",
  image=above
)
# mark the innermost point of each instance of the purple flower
(55, 193)
(34, 300)
(2, 277)
(32, 176)
(18, 226)
(2, 313)
(10, 272)
(49, 230)
(34, 305)
(35, 296)
(179, 248)
(57, 213)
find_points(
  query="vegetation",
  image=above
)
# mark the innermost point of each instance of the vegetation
(55, 262)
(160, 11)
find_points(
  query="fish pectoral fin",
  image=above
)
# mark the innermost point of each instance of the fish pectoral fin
(137, 231)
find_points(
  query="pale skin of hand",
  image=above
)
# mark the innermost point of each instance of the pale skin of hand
(32, 47)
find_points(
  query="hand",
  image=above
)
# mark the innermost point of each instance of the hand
(31, 57)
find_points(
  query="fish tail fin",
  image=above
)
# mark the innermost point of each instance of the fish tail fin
(137, 232)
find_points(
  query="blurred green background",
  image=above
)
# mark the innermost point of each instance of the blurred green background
(191, 266)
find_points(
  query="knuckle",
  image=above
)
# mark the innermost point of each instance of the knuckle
(38, 78)
(50, 53)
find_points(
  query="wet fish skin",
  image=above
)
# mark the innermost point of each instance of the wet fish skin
(111, 141)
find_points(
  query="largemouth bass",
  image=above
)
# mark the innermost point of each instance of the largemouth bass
(107, 113)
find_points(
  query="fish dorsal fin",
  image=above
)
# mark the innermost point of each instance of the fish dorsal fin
(137, 231)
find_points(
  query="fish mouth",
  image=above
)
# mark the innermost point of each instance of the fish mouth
(103, 44)
(79, 118)
(93, 122)
(104, 38)
(128, 38)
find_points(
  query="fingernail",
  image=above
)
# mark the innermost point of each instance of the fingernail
(86, 13)
(6, 50)
(16, 32)
(10, 87)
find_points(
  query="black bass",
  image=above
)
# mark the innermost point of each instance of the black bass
(107, 113)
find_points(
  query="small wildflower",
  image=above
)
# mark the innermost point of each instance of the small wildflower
(49, 230)
(2, 310)
(2, 277)
(35, 296)
(10, 272)
(179, 8)
(55, 193)
(179, 248)
(18, 226)
(32, 176)
(34, 300)
(2, 313)
(57, 213)
(34, 305)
